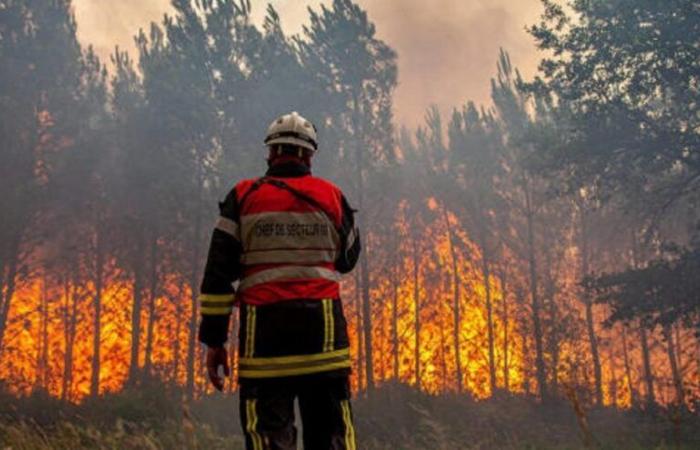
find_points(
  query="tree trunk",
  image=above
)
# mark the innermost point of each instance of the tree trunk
(137, 295)
(152, 298)
(395, 320)
(97, 306)
(646, 361)
(417, 322)
(486, 274)
(456, 306)
(194, 285)
(613, 379)
(9, 288)
(178, 331)
(364, 257)
(628, 371)
(148, 357)
(551, 310)
(541, 372)
(70, 322)
(43, 360)
(506, 319)
(443, 355)
(590, 326)
(675, 371)
(367, 321)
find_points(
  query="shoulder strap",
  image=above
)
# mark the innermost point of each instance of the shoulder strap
(256, 185)
(284, 186)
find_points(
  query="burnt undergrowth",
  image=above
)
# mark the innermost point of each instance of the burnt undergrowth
(395, 416)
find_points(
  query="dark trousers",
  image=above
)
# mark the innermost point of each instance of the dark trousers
(267, 412)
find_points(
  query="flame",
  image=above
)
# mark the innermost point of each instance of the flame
(48, 347)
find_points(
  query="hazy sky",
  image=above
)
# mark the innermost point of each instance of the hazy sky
(447, 48)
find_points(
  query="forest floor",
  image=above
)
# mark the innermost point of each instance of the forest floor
(395, 417)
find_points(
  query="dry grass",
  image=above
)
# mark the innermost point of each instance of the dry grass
(395, 418)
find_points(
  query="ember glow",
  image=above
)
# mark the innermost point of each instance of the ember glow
(506, 250)
(48, 344)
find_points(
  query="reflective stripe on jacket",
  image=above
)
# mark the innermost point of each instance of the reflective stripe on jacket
(289, 233)
(287, 240)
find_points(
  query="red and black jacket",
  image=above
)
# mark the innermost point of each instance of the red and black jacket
(286, 238)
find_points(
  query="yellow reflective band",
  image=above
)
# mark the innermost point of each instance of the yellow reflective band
(216, 298)
(248, 373)
(250, 332)
(288, 273)
(328, 325)
(251, 426)
(216, 304)
(229, 227)
(216, 310)
(293, 365)
(283, 360)
(349, 429)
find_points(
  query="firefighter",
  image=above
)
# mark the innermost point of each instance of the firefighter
(286, 237)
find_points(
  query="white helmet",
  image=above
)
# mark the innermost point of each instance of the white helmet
(292, 129)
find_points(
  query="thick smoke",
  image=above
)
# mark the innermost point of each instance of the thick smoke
(447, 48)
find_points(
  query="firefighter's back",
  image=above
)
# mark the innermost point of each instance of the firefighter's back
(291, 318)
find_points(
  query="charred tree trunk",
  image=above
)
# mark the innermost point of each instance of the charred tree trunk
(628, 371)
(194, 285)
(364, 257)
(456, 306)
(590, 325)
(7, 289)
(395, 320)
(613, 378)
(97, 307)
(417, 322)
(43, 355)
(506, 319)
(137, 295)
(541, 373)
(597, 371)
(66, 319)
(443, 355)
(646, 362)
(152, 298)
(178, 332)
(673, 362)
(553, 346)
(69, 324)
(148, 356)
(486, 274)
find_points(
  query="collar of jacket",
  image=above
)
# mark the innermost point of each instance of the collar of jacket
(289, 169)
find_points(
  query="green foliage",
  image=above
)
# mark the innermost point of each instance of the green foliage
(623, 76)
(624, 73)
(664, 291)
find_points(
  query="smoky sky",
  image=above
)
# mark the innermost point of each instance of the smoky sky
(447, 49)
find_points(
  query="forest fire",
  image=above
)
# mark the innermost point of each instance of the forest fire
(512, 273)
(49, 341)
